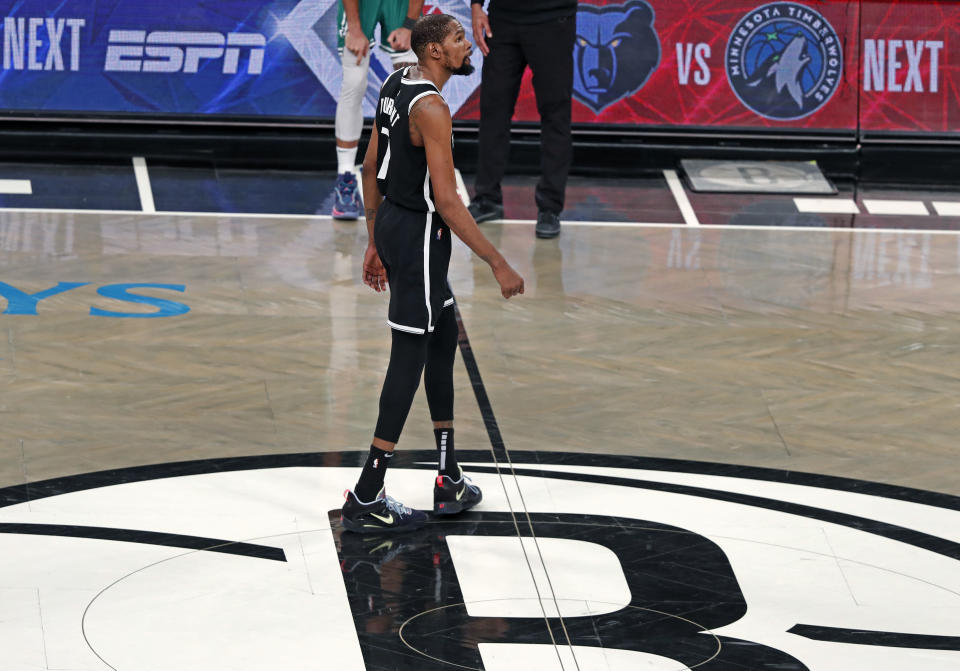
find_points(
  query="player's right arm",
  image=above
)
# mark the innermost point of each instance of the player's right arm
(374, 274)
(432, 119)
(355, 41)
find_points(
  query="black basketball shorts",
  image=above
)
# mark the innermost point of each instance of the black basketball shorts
(415, 249)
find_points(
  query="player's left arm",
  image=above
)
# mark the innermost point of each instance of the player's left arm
(431, 118)
(374, 274)
(399, 39)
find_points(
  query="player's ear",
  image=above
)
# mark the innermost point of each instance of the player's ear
(435, 50)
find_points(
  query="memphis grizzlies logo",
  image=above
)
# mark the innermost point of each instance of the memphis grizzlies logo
(616, 51)
(784, 61)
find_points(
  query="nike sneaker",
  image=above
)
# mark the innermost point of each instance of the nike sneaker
(384, 513)
(453, 496)
(346, 197)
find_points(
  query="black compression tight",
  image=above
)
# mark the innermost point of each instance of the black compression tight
(438, 373)
(411, 356)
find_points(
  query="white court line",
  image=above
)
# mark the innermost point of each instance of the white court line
(520, 222)
(946, 209)
(143, 184)
(462, 188)
(912, 207)
(679, 195)
(827, 205)
(21, 187)
(604, 224)
(735, 227)
(140, 213)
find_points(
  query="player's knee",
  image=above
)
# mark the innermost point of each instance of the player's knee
(354, 84)
(349, 118)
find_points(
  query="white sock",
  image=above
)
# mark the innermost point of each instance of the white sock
(346, 159)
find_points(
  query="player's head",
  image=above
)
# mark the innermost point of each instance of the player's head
(441, 38)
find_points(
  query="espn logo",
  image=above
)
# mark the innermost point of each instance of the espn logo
(178, 51)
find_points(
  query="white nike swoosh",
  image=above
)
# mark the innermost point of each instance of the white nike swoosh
(386, 520)
(461, 493)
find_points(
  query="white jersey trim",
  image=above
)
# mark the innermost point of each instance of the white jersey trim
(426, 192)
(427, 229)
(382, 174)
(421, 95)
(415, 82)
(406, 329)
(404, 80)
(385, 81)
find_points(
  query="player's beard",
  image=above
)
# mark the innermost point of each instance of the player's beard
(465, 68)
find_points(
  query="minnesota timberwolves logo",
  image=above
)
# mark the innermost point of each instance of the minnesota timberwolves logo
(615, 52)
(784, 60)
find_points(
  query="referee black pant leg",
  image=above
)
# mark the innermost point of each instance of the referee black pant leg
(548, 48)
(438, 374)
(500, 83)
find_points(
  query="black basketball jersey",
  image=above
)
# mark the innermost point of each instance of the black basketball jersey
(402, 172)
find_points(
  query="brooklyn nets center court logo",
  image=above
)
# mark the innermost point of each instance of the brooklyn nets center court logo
(784, 60)
(612, 563)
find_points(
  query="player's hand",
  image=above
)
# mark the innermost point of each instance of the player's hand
(509, 279)
(399, 39)
(374, 274)
(481, 29)
(357, 43)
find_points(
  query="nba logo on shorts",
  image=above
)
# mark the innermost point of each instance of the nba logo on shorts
(784, 60)
(439, 233)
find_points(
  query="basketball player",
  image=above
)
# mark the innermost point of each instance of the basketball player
(358, 19)
(412, 204)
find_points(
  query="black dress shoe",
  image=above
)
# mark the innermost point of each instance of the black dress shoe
(548, 225)
(485, 210)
